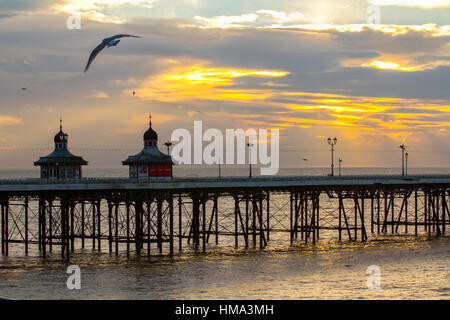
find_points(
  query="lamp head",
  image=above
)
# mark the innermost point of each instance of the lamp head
(335, 140)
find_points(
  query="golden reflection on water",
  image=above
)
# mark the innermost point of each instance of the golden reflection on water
(411, 268)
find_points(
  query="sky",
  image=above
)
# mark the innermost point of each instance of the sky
(373, 73)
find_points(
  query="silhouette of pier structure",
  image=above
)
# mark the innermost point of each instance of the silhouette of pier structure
(165, 216)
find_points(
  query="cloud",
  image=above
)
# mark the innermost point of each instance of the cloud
(227, 21)
(430, 28)
(423, 4)
(8, 120)
(283, 17)
(261, 17)
(195, 80)
(106, 11)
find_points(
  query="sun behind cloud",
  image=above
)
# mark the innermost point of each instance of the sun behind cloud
(385, 65)
(199, 81)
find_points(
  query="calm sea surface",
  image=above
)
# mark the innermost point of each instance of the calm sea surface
(411, 268)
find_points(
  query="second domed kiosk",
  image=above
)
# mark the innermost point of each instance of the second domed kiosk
(150, 162)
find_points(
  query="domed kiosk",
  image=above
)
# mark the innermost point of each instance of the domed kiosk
(150, 162)
(61, 164)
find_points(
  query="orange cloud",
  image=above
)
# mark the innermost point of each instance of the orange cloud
(198, 81)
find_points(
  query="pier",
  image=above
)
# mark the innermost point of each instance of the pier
(164, 215)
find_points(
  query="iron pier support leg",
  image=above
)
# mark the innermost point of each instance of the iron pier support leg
(171, 224)
(138, 226)
(236, 209)
(99, 226)
(72, 226)
(63, 229)
(363, 225)
(291, 217)
(42, 217)
(110, 236)
(393, 212)
(406, 212)
(3, 227)
(26, 224)
(128, 226)
(340, 217)
(246, 230)
(83, 228)
(50, 225)
(444, 204)
(5, 206)
(68, 227)
(318, 215)
(415, 213)
(425, 210)
(314, 217)
(194, 223)
(149, 227)
(116, 227)
(302, 215)
(254, 211)
(268, 215)
(216, 217)
(356, 216)
(180, 223)
(437, 199)
(204, 225)
(262, 240)
(296, 215)
(371, 213)
(306, 226)
(378, 212)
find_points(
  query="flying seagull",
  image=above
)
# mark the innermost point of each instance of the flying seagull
(107, 42)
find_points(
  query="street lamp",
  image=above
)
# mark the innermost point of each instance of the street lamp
(332, 143)
(249, 145)
(406, 163)
(340, 161)
(168, 144)
(403, 147)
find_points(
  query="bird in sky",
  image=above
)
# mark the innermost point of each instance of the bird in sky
(134, 93)
(107, 42)
(304, 159)
(24, 89)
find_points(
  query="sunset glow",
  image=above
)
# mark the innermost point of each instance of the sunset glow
(389, 66)
(305, 68)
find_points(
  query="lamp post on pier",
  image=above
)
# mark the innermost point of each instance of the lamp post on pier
(403, 147)
(332, 143)
(406, 163)
(250, 145)
(168, 144)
